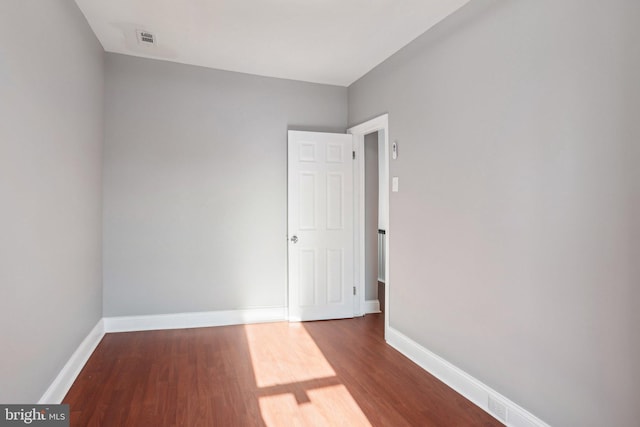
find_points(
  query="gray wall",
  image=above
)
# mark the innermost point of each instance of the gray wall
(515, 234)
(371, 215)
(195, 211)
(51, 131)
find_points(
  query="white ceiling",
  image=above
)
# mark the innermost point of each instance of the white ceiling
(322, 41)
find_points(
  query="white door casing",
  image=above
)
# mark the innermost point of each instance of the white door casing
(320, 225)
(379, 124)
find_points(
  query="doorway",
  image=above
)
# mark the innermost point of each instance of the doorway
(379, 126)
(374, 232)
(326, 196)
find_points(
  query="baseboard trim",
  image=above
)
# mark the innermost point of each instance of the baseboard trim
(194, 320)
(63, 382)
(468, 386)
(371, 306)
(65, 378)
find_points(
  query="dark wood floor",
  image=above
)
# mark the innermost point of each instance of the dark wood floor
(331, 373)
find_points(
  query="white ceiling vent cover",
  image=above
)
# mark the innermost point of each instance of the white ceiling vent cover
(146, 38)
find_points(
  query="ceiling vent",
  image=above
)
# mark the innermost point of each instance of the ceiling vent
(146, 38)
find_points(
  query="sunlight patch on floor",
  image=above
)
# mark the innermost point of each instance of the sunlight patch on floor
(284, 353)
(327, 406)
(296, 385)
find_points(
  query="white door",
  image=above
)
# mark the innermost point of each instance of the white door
(320, 208)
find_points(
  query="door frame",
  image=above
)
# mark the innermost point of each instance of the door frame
(378, 124)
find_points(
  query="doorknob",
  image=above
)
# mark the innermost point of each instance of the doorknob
(294, 239)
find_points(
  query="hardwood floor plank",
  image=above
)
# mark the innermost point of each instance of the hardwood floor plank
(329, 373)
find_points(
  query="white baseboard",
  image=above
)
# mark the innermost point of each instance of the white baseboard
(63, 382)
(469, 387)
(371, 306)
(194, 320)
(472, 389)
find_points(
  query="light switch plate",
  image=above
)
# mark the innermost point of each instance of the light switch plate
(394, 184)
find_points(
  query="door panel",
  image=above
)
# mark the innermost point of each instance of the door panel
(320, 210)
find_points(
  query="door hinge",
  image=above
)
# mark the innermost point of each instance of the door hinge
(354, 290)
(353, 155)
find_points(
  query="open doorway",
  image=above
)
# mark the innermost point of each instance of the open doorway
(377, 127)
(333, 200)
(374, 229)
